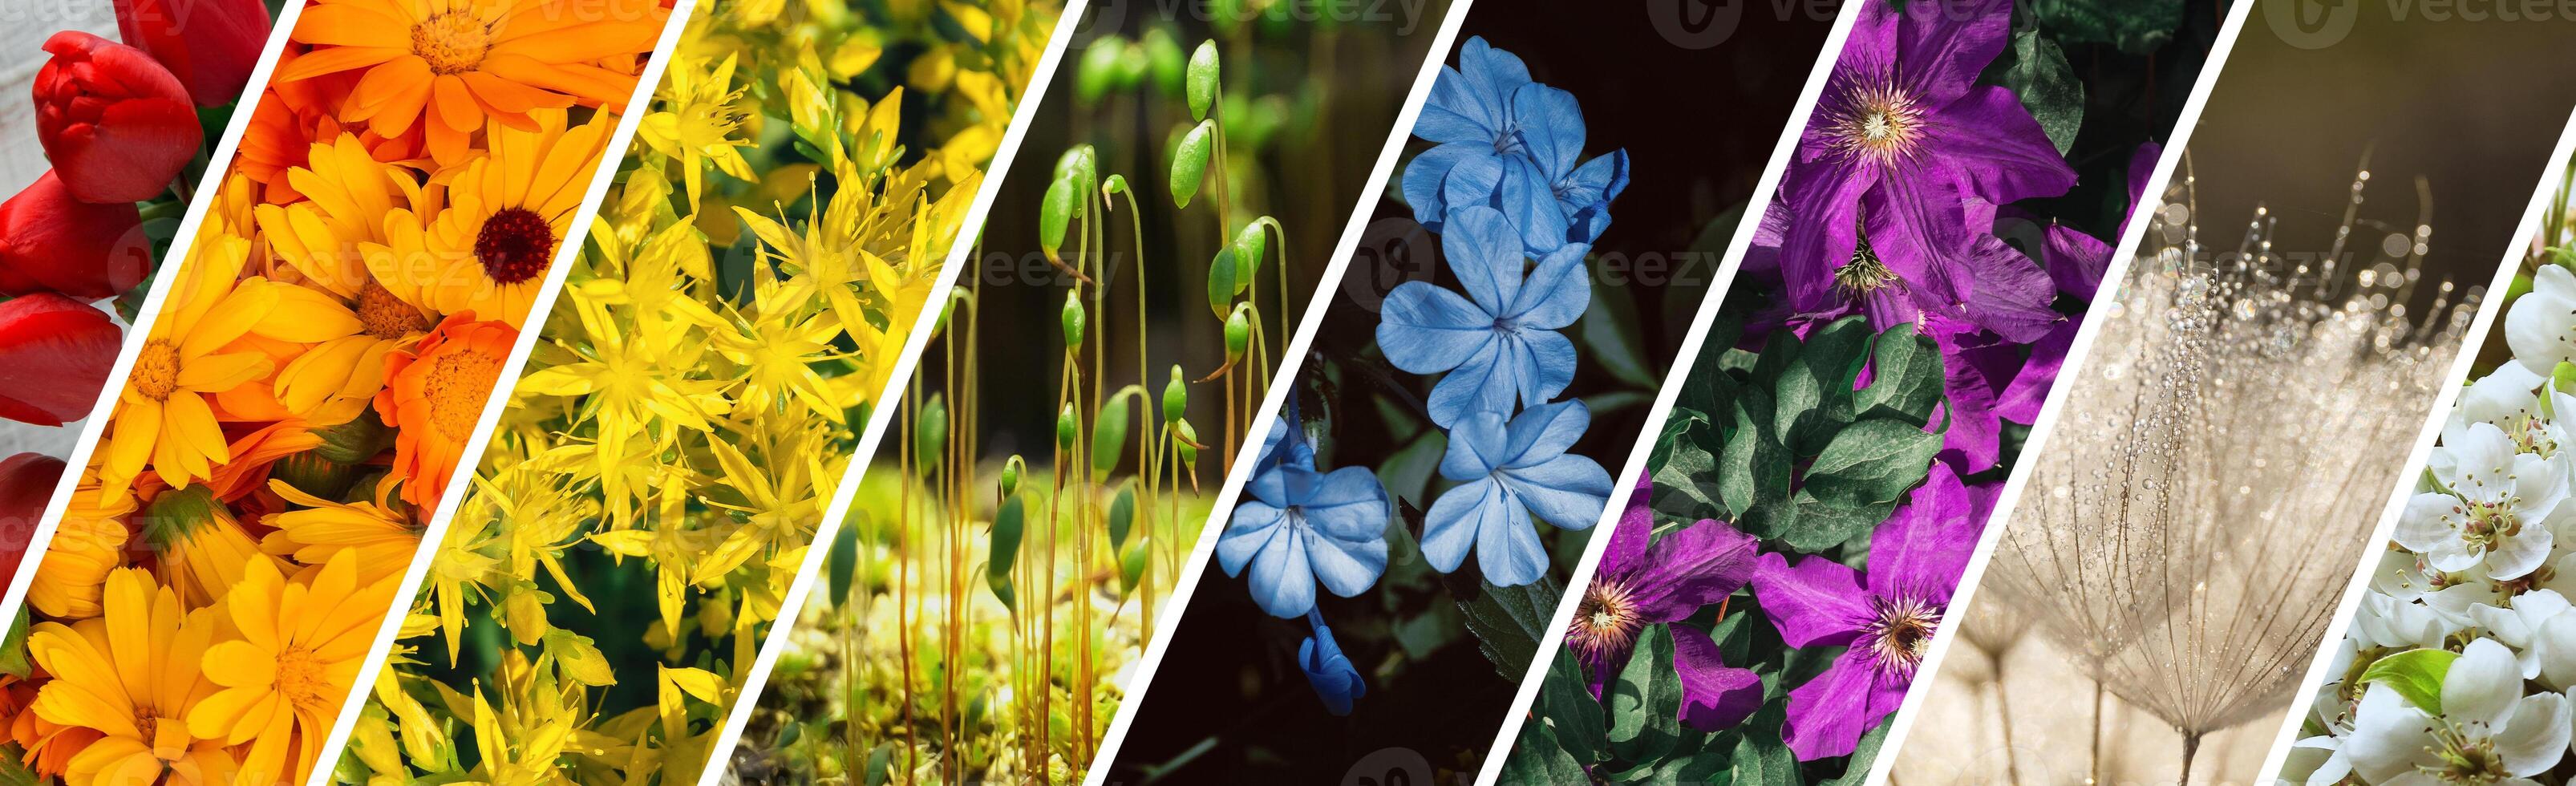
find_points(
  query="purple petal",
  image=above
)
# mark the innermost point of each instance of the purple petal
(1995, 150)
(1920, 552)
(1828, 715)
(1692, 567)
(2021, 400)
(1817, 602)
(2005, 292)
(2076, 261)
(1974, 435)
(1628, 538)
(1715, 696)
(1822, 230)
(1943, 44)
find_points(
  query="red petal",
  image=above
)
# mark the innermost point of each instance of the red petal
(54, 357)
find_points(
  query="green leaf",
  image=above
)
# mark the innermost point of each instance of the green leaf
(1201, 79)
(13, 648)
(1507, 621)
(1874, 461)
(1535, 758)
(1189, 163)
(1565, 700)
(1689, 484)
(2137, 27)
(1811, 525)
(1832, 358)
(1122, 514)
(1760, 758)
(1614, 338)
(1407, 472)
(1645, 701)
(2047, 87)
(1754, 469)
(1908, 378)
(2415, 674)
(1856, 769)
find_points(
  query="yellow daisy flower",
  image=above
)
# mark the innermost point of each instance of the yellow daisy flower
(293, 658)
(88, 545)
(317, 529)
(202, 550)
(131, 675)
(487, 249)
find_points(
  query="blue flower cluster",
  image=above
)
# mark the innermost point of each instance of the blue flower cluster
(1503, 188)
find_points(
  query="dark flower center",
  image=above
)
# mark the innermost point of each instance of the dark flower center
(1864, 273)
(515, 245)
(1605, 621)
(1878, 121)
(1899, 631)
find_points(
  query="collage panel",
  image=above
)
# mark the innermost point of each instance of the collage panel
(1053, 456)
(2236, 427)
(305, 380)
(116, 110)
(770, 242)
(1450, 439)
(1814, 494)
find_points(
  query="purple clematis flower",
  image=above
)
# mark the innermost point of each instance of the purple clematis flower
(1885, 614)
(1640, 584)
(1901, 139)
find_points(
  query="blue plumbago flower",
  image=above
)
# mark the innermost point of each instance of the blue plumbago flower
(1499, 342)
(1304, 527)
(1514, 145)
(1335, 680)
(1509, 470)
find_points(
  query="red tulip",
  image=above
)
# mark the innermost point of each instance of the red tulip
(116, 124)
(209, 44)
(26, 484)
(55, 353)
(51, 242)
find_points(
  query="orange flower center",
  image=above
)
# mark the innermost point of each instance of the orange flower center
(301, 680)
(388, 317)
(1606, 620)
(453, 42)
(514, 245)
(458, 384)
(1900, 632)
(1877, 121)
(156, 370)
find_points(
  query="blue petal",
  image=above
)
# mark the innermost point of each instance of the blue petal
(1449, 528)
(1585, 225)
(1487, 381)
(1557, 292)
(1247, 534)
(1550, 122)
(1345, 567)
(1424, 329)
(1547, 364)
(1455, 112)
(1507, 546)
(1281, 581)
(1544, 432)
(1478, 445)
(1270, 486)
(1330, 672)
(1424, 174)
(1496, 72)
(1348, 504)
(1568, 491)
(1485, 253)
(1529, 200)
(1598, 180)
(1474, 181)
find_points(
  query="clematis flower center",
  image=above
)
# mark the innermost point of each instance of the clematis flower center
(514, 245)
(1899, 631)
(456, 388)
(387, 317)
(1865, 273)
(2465, 759)
(301, 678)
(1879, 121)
(453, 42)
(1606, 620)
(156, 369)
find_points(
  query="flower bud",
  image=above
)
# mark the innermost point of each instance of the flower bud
(117, 125)
(1238, 334)
(1202, 79)
(1189, 163)
(1055, 214)
(1011, 469)
(1074, 318)
(1067, 428)
(1176, 396)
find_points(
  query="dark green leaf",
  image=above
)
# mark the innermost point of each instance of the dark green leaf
(1688, 483)
(1645, 701)
(1875, 460)
(1811, 525)
(1754, 469)
(1407, 472)
(1760, 758)
(1856, 769)
(1535, 758)
(1907, 379)
(2137, 27)
(1614, 339)
(1507, 621)
(1565, 700)
(2047, 87)
(13, 648)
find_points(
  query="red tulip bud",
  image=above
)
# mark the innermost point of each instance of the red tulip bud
(50, 242)
(54, 357)
(26, 484)
(116, 124)
(210, 45)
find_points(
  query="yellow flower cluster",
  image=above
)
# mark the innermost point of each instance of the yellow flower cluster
(657, 478)
(310, 382)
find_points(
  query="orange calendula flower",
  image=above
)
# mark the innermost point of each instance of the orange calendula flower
(434, 395)
(292, 115)
(201, 549)
(317, 529)
(88, 545)
(456, 64)
(131, 676)
(295, 652)
(488, 248)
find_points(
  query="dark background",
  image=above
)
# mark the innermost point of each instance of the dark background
(1228, 703)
